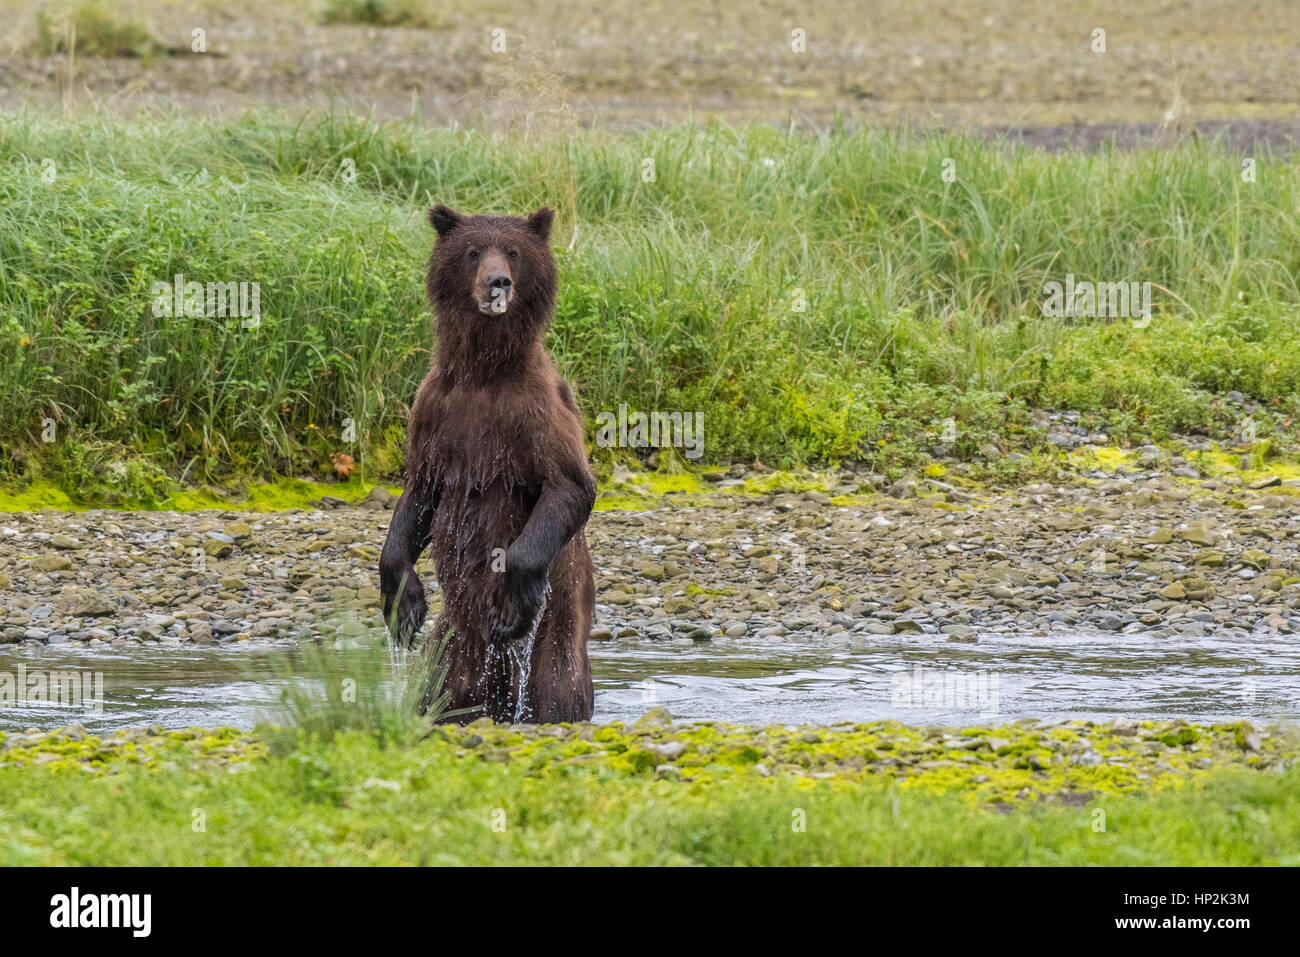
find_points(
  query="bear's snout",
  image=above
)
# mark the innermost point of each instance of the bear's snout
(494, 287)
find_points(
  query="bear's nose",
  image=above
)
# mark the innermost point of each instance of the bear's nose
(499, 281)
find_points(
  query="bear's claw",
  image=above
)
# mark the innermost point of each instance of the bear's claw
(516, 609)
(406, 612)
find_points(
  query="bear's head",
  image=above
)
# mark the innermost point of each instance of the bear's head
(494, 272)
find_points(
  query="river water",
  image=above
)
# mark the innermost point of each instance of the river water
(916, 679)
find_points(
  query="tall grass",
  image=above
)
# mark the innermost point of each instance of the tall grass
(371, 687)
(923, 296)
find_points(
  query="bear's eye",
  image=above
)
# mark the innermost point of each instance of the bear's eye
(473, 254)
(514, 255)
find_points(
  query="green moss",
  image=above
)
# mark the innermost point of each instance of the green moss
(647, 489)
(640, 491)
(634, 761)
(745, 754)
(783, 481)
(616, 770)
(36, 496)
(693, 590)
(1105, 457)
(1181, 737)
(280, 495)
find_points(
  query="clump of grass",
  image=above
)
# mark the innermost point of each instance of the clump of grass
(92, 29)
(379, 13)
(366, 686)
(109, 473)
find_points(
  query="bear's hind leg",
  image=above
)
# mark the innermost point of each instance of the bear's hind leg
(559, 682)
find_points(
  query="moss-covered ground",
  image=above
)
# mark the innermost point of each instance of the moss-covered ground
(655, 792)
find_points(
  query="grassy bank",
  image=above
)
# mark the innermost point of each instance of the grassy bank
(649, 794)
(818, 297)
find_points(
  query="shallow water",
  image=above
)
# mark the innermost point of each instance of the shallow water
(916, 679)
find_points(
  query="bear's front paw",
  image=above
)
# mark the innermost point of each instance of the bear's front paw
(516, 608)
(406, 610)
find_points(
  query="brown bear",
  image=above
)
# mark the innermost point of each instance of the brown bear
(497, 483)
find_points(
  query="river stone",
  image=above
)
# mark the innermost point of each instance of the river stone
(381, 497)
(650, 570)
(904, 488)
(652, 720)
(1198, 534)
(671, 750)
(1256, 558)
(216, 548)
(962, 633)
(86, 603)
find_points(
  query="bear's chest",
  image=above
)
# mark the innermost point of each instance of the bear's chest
(487, 437)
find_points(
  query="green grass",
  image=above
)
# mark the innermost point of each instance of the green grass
(329, 691)
(380, 13)
(93, 29)
(215, 798)
(922, 296)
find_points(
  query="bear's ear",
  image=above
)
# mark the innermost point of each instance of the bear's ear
(540, 222)
(443, 219)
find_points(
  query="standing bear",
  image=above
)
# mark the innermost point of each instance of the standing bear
(497, 482)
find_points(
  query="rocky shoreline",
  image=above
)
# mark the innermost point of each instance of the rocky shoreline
(1129, 551)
